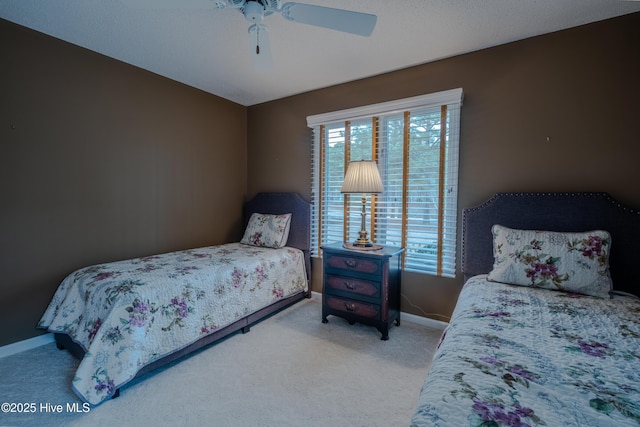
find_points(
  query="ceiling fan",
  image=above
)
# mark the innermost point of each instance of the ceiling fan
(255, 11)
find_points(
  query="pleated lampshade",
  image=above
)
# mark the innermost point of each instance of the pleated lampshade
(362, 177)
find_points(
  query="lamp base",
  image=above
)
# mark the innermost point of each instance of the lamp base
(363, 236)
(355, 246)
(363, 240)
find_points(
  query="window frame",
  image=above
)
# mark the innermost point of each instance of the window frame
(450, 103)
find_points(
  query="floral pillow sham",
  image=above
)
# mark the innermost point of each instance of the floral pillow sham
(267, 230)
(571, 262)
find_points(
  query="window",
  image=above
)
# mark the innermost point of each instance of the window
(415, 143)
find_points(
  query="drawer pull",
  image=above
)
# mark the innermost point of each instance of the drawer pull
(350, 285)
(350, 307)
(351, 263)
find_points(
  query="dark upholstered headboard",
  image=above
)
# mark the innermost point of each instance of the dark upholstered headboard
(570, 212)
(281, 203)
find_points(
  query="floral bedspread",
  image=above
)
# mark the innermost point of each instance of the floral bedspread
(518, 356)
(129, 313)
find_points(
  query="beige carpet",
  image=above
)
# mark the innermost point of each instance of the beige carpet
(290, 370)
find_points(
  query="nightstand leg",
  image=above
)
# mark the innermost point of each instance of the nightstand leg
(384, 330)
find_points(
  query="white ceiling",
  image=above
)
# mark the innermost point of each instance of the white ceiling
(209, 49)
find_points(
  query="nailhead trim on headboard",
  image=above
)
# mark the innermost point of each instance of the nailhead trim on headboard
(625, 224)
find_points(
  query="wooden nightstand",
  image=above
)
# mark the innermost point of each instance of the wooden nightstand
(362, 286)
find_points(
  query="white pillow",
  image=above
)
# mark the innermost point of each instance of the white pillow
(572, 262)
(266, 230)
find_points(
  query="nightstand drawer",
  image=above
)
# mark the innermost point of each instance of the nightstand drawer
(355, 308)
(353, 285)
(346, 264)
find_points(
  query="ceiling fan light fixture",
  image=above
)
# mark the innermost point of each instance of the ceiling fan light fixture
(253, 11)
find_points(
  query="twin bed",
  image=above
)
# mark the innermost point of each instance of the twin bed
(545, 331)
(126, 318)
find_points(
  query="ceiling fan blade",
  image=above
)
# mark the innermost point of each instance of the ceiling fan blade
(260, 47)
(347, 21)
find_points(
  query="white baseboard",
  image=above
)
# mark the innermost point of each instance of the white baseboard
(424, 321)
(28, 344)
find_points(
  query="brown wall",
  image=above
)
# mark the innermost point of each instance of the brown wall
(557, 112)
(102, 161)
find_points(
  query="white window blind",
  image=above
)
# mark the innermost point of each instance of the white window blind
(415, 143)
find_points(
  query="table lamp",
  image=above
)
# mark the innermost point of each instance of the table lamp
(362, 177)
